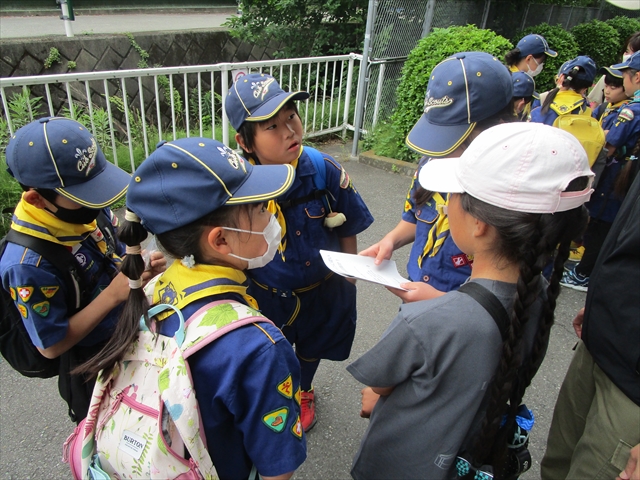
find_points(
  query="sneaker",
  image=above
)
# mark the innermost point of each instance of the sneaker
(572, 279)
(308, 409)
(575, 254)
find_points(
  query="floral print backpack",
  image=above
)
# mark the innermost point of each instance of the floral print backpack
(144, 417)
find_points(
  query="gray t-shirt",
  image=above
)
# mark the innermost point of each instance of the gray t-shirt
(440, 355)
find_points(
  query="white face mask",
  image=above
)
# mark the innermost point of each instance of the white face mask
(271, 235)
(626, 56)
(538, 69)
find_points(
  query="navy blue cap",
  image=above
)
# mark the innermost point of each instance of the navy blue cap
(463, 89)
(523, 84)
(60, 154)
(534, 45)
(614, 72)
(586, 64)
(256, 97)
(632, 62)
(188, 178)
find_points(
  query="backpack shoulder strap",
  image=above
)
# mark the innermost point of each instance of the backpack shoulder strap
(203, 327)
(490, 303)
(105, 226)
(58, 256)
(320, 177)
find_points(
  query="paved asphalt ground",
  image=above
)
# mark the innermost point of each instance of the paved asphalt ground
(34, 424)
(33, 418)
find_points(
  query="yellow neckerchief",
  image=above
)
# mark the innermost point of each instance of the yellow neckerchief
(513, 69)
(611, 108)
(566, 101)
(39, 223)
(275, 209)
(439, 231)
(180, 285)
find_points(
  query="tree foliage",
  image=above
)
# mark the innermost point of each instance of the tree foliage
(598, 40)
(300, 28)
(625, 27)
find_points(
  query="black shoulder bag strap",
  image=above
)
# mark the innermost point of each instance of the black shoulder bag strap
(490, 303)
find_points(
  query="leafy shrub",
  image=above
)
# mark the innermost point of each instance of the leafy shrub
(430, 51)
(559, 40)
(598, 40)
(625, 27)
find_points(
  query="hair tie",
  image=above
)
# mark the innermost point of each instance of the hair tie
(134, 250)
(188, 261)
(135, 284)
(129, 216)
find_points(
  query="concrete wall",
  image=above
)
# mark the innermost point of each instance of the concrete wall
(116, 52)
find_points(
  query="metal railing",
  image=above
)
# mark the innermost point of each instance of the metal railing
(133, 107)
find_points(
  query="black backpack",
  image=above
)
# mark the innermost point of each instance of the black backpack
(15, 344)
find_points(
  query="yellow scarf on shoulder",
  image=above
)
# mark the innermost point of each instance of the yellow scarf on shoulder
(439, 230)
(39, 223)
(566, 101)
(274, 208)
(180, 285)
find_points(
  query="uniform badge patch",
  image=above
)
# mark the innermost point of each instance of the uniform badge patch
(460, 260)
(276, 420)
(12, 291)
(344, 179)
(298, 396)
(23, 311)
(285, 388)
(49, 291)
(41, 308)
(296, 429)
(25, 293)
(626, 114)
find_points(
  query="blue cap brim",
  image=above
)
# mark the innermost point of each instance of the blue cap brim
(551, 53)
(620, 66)
(611, 71)
(273, 106)
(101, 190)
(435, 140)
(265, 182)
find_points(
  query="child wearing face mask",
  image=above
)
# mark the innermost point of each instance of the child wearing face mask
(315, 309)
(212, 218)
(68, 185)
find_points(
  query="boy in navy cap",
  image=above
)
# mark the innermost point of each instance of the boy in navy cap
(523, 90)
(315, 309)
(68, 184)
(531, 51)
(467, 93)
(622, 129)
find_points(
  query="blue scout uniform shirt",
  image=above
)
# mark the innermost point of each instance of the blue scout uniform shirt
(443, 266)
(300, 264)
(624, 130)
(608, 113)
(247, 382)
(39, 291)
(565, 101)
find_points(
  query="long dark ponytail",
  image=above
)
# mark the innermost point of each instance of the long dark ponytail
(530, 240)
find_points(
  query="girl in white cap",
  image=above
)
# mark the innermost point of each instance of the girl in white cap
(445, 369)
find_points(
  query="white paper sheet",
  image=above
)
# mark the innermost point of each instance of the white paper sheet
(364, 268)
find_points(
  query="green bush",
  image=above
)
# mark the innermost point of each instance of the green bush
(598, 40)
(559, 40)
(625, 27)
(430, 51)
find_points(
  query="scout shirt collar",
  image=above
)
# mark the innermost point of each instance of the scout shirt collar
(179, 285)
